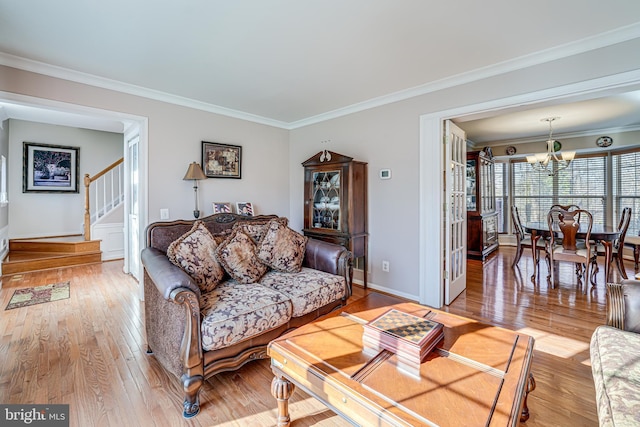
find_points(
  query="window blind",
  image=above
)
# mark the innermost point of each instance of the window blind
(583, 183)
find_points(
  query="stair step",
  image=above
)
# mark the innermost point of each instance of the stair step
(64, 244)
(23, 262)
(46, 253)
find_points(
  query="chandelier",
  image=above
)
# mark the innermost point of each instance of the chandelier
(552, 161)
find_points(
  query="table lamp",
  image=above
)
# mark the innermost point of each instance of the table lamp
(195, 173)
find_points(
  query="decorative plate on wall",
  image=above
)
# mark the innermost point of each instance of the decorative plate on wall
(604, 141)
(511, 150)
(557, 146)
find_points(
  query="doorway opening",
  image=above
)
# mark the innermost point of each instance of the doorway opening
(65, 114)
(433, 222)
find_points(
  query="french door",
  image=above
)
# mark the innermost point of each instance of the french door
(455, 212)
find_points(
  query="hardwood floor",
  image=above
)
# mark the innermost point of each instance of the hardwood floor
(88, 351)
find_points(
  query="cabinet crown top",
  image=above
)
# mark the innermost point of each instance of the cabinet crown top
(326, 157)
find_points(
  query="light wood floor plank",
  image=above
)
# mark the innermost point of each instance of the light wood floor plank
(89, 351)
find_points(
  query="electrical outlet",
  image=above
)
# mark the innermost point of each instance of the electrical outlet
(164, 213)
(385, 266)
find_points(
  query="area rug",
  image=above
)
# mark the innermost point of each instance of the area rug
(39, 295)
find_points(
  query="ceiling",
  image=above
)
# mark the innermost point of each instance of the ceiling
(289, 63)
(609, 114)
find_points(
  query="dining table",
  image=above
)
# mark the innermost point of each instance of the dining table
(604, 234)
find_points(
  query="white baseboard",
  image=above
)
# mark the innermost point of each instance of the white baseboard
(382, 288)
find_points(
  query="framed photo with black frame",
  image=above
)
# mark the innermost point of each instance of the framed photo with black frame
(221, 160)
(50, 168)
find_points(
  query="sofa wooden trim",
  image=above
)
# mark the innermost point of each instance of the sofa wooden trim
(168, 287)
(623, 305)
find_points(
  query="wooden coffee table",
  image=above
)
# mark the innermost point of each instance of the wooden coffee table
(479, 375)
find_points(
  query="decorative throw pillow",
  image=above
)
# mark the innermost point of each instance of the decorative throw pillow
(256, 229)
(237, 256)
(282, 248)
(194, 252)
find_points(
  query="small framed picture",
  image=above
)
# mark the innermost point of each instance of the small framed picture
(221, 160)
(221, 207)
(244, 208)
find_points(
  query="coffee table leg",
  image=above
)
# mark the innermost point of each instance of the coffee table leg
(282, 389)
(531, 385)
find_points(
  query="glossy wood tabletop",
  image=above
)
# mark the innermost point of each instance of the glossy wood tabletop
(477, 376)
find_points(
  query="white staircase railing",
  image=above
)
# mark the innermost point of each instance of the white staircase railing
(107, 193)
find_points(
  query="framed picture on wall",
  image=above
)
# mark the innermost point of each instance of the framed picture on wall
(244, 208)
(221, 207)
(50, 168)
(221, 160)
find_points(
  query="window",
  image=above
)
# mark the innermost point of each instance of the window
(583, 183)
(626, 187)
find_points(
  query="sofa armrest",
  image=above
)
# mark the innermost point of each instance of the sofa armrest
(172, 318)
(165, 275)
(330, 258)
(623, 305)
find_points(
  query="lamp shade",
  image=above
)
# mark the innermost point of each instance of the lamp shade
(194, 172)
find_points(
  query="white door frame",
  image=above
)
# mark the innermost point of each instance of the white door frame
(432, 168)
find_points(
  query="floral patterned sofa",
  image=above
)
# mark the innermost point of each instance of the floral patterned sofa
(217, 290)
(615, 357)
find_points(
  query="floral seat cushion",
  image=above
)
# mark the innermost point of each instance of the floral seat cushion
(234, 312)
(308, 289)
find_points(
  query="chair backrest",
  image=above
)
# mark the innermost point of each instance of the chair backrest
(517, 223)
(555, 208)
(568, 226)
(623, 226)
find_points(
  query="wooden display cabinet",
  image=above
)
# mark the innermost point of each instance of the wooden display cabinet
(335, 202)
(482, 217)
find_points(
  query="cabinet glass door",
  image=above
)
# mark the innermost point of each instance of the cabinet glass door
(326, 200)
(471, 185)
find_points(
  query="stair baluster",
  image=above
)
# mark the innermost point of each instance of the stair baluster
(116, 187)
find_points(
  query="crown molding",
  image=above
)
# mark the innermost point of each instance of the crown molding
(608, 38)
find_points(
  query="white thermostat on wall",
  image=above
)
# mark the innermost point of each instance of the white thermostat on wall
(385, 173)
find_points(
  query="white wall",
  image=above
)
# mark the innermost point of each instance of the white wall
(54, 214)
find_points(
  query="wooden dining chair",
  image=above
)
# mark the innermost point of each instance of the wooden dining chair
(555, 209)
(582, 253)
(523, 239)
(618, 245)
